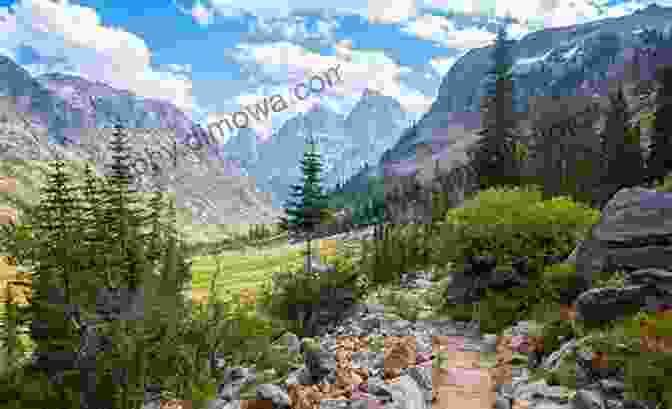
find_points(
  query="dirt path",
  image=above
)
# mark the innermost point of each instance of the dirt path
(460, 382)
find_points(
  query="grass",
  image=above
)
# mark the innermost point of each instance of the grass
(242, 269)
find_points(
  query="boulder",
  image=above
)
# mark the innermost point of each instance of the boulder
(606, 304)
(635, 230)
(658, 278)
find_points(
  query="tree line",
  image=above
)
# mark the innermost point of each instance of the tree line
(82, 242)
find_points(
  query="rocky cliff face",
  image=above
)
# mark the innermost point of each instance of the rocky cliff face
(63, 116)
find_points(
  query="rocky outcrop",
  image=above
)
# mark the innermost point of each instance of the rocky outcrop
(634, 232)
(646, 289)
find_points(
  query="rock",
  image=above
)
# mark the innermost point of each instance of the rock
(461, 289)
(291, 341)
(588, 399)
(633, 231)
(502, 403)
(605, 304)
(612, 386)
(405, 391)
(660, 279)
(273, 393)
(232, 382)
(552, 361)
(323, 269)
(540, 391)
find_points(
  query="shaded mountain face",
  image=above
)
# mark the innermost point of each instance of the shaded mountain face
(583, 60)
(60, 115)
(345, 143)
(96, 105)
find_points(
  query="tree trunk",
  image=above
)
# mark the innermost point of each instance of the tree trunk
(308, 261)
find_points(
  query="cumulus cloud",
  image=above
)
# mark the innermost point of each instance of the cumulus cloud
(391, 12)
(75, 35)
(442, 31)
(376, 11)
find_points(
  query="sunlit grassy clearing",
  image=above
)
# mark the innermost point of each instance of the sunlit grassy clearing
(242, 269)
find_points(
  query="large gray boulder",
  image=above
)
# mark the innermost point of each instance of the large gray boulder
(606, 304)
(635, 231)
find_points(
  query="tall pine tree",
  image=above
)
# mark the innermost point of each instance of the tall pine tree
(624, 163)
(494, 157)
(660, 156)
(121, 208)
(57, 280)
(307, 206)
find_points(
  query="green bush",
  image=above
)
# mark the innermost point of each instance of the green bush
(294, 286)
(555, 333)
(610, 279)
(509, 223)
(400, 249)
(501, 309)
(666, 186)
(562, 283)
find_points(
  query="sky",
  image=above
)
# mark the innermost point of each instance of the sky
(211, 58)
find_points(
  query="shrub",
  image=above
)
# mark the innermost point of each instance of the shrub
(294, 287)
(562, 283)
(555, 333)
(396, 249)
(508, 223)
(501, 309)
(610, 279)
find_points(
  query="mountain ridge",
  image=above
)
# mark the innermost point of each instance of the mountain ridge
(34, 113)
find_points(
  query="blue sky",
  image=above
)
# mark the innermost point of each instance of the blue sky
(212, 57)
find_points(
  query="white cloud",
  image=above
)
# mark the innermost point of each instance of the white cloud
(96, 52)
(443, 64)
(442, 31)
(391, 12)
(376, 11)
(538, 14)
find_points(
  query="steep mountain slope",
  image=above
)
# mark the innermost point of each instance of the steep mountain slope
(36, 113)
(582, 60)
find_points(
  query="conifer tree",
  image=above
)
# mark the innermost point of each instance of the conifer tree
(56, 281)
(621, 146)
(660, 157)
(307, 206)
(120, 208)
(493, 156)
(95, 233)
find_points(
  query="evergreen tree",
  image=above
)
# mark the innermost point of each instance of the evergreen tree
(307, 206)
(660, 157)
(622, 152)
(121, 209)
(493, 156)
(56, 280)
(95, 235)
